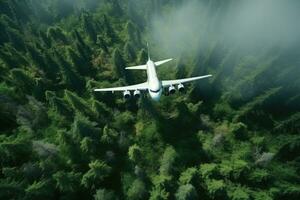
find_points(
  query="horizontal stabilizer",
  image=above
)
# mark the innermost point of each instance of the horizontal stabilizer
(162, 62)
(144, 67)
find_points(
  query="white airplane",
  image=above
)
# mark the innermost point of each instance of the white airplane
(153, 85)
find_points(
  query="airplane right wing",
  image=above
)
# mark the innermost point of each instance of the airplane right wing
(157, 63)
(141, 86)
(168, 83)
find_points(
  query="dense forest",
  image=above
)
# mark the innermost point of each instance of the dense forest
(233, 136)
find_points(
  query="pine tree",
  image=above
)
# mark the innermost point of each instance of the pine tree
(129, 52)
(142, 57)
(186, 192)
(83, 127)
(87, 24)
(101, 43)
(96, 174)
(70, 78)
(118, 62)
(104, 194)
(23, 81)
(78, 104)
(57, 35)
(81, 66)
(109, 31)
(137, 190)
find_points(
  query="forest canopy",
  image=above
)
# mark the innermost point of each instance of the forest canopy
(235, 136)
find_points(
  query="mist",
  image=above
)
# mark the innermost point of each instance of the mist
(245, 23)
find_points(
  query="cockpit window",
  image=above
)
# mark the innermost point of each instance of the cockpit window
(155, 91)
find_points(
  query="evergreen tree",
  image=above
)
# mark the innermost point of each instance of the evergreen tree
(97, 172)
(103, 194)
(87, 24)
(23, 81)
(143, 56)
(81, 66)
(129, 52)
(57, 35)
(137, 190)
(70, 78)
(186, 192)
(118, 63)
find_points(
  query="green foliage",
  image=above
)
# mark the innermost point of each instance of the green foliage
(78, 104)
(87, 23)
(14, 151)
(233, 136)
(67, 181)
(186, 192)
(123, 120)
(119, 63)
(103, 194)
(291, 124)
(10, 189)
(33, 115)
(161, 187)
(215, 188)
(262, 195)
(137, 190)
(134, 153)
(289, 150)
(239, 130)
(189, 176)
(159, 194)
(260, 176)
(208, 170)
(23, 81)
(236, 169)
(168, 161)
(239, 193)
(133, 34)
(69, 76)
(97, 172)
(129, 52)
(108, 135)
(82, 127)
(142, 56)
(39, 190)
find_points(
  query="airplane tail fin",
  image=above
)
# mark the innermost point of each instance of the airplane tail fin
(143, 67)
(148, 51)
(163, 61)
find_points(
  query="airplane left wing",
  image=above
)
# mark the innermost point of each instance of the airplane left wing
(168, 83)
(141, 86)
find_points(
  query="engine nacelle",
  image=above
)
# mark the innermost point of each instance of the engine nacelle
(172, 89)
(180, 87)
(126, 94)
(137, 94)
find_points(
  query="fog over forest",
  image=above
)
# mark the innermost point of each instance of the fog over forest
(246, 23)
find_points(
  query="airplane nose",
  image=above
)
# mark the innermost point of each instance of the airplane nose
(155, 96)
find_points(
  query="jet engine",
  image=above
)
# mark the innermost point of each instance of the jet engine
(137, 94)
(172, 89)
(180, 87)
(126, 94)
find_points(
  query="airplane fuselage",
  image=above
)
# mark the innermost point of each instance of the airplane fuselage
(155, 87)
